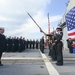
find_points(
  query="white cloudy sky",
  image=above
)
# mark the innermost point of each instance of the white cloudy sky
(14, 19)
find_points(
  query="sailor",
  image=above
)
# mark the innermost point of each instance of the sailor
(59, 45)
(2, 43)
(42, 44)
(33, 42)
(37, 44)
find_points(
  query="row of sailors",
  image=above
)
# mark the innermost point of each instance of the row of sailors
(20, 44)
(14, 44)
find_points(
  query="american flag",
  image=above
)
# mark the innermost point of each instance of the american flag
(70, 23)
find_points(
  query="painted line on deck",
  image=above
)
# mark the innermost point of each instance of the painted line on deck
(50, 67)
(21, 58)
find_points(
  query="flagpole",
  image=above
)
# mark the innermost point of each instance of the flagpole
(48, 24)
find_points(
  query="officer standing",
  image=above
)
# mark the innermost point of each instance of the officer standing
(30, 42)
(9, 44)
(53, 51)
(37, 43)
(20, 44)
(49, 45)
(59, 45)
(27, 43)
(14, 44)
(33, 42)
(42, 44)
(24, 44)
(2, 43)
(69, 42)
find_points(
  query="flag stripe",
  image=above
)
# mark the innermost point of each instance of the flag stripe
(71, 34)
(71, 37)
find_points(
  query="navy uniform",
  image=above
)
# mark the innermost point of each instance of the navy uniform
(27, 43)
(6, 44)
(24, 44)
(42, 44)
(33, 42)
(59, 44)
(17, 44)
(49, 43)
(70, 42)
(20, 44)
(37, 43)
(14, 44)
(2, 43)
(53, 51)
(9, 44)
(30, 43)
